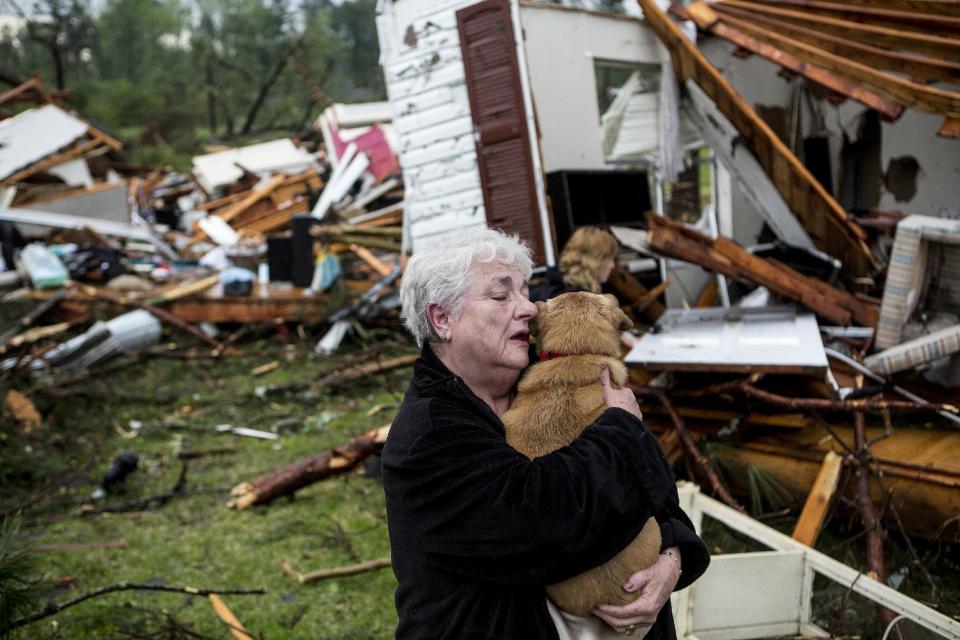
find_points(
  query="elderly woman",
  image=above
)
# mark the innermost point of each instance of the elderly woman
(477, 530)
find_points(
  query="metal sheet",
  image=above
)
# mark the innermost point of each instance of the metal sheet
(35, 134)
(771, 339)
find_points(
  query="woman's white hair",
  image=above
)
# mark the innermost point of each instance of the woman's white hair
(441, 274)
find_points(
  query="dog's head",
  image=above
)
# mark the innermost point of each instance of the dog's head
(579, 323)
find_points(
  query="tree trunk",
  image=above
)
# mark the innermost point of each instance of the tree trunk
(285, 481)
(266, 86)
(211, 99)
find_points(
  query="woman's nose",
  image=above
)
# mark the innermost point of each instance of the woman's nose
(526, 309)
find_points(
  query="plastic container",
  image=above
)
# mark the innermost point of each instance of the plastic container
(43, 266)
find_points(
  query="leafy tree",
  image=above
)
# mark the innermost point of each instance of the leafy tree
(62, 34)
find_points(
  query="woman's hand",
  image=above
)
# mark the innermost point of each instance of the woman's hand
(653, 587)
(620, 398)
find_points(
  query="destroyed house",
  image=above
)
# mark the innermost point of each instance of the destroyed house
(537, 118)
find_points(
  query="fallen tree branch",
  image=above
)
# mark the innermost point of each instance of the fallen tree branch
(868, 512)
(744, 387)
(289, 479)
(224, 613)
(688, 444)
(53, 609)
(321, 574)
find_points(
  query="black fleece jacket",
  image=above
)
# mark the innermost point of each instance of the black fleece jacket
(477, 530)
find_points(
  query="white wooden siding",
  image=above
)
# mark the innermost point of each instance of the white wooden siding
(431, 110)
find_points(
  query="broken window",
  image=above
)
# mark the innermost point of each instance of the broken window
(686, 198)
(628, 99)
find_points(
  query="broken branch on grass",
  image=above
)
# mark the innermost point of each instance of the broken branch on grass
(334, 572)
(224, 613)
(690, 445)
(744, 387)
(289, 479)
(32, 316)
(53, 609)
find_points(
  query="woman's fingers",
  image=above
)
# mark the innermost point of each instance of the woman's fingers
(619, 398)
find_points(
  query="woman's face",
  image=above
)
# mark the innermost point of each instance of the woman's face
(490, 333)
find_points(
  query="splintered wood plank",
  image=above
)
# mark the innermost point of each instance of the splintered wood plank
(631, 289)
(51, 161)
(670, 238)
(818, 501)
(878, 16)
(941, 46)
(708, 20)
(907, 92)
(936, 7)
(914, 65)
(223, 612)
(950, 128)
(289, 305)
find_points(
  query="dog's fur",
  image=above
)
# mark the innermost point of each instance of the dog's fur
(557, 399)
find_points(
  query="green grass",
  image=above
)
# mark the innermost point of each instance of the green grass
(194, 540)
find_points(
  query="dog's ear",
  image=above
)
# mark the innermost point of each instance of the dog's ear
(623, 319)
(534, 326)
(620, 319)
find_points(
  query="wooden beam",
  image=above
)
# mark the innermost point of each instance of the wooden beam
(915, 65)
(950, 128)
(722, 255)
(105, 138)
(51, 161)
(623, 282)
(375, 263)
(822, 217)
(910, 93)
(936, 7)
(883, 36)
(19, 92)
(818, 501)
(886, 108)
(878, 16)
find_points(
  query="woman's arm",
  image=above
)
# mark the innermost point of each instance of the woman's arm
(480, 509)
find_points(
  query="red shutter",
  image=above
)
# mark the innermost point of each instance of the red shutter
(496, 104)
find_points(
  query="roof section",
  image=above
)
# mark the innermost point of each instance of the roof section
(881, 53)
(34, 135)
(822, 217)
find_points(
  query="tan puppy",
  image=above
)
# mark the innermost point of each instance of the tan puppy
(560, 397)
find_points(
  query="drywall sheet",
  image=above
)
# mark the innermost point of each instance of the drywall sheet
(770, 339)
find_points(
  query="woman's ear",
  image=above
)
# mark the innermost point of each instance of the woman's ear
(440, 321)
